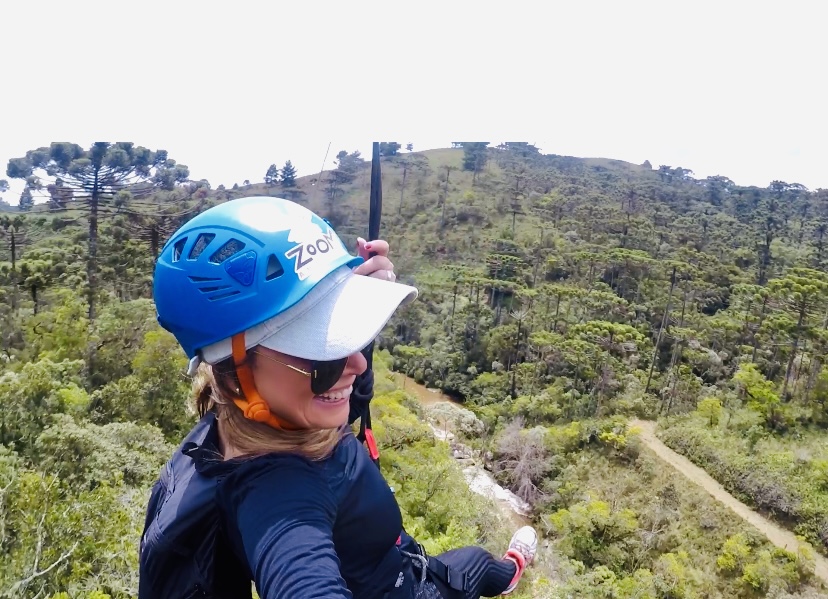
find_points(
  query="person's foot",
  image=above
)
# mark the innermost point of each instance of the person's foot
(522, 550)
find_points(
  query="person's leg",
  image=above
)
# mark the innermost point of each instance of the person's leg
(485, 575)
(490, 577)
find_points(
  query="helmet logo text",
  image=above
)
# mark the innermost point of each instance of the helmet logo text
(308, 254)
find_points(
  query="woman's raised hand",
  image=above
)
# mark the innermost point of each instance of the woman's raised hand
(379, 266)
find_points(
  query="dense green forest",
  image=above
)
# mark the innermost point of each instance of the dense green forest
(559, 297)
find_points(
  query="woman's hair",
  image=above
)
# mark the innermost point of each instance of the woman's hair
(215, 387)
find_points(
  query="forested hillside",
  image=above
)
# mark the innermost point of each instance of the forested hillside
(560, 296)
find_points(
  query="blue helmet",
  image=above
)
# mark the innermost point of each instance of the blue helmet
(239, 264)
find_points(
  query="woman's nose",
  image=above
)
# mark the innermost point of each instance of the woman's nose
(357, 364)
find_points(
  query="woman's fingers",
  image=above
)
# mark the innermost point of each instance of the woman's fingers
(378, 266)
(366, 248)
(374, 265)
(384, 275)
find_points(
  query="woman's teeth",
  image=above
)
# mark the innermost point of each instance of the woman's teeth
(338, 395)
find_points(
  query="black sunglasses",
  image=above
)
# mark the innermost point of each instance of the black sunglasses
(323, 374)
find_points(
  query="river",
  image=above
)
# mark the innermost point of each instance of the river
(478, 478)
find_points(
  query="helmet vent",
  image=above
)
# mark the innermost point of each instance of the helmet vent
(211, 289)
(230, 293)
(229, 249)
(202, 242)
(195, 279)
(274, 268)
(178, 248)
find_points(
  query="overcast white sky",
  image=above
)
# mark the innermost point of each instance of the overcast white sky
(730, 88)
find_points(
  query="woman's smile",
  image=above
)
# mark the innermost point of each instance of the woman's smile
(337, 393)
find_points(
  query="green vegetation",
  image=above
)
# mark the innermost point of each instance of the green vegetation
(786, 478)
(76, 467)
(559, 297)
(625, 526)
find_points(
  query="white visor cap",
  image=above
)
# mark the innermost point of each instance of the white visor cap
(341, 315)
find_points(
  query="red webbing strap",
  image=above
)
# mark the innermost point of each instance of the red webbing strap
(372, 445)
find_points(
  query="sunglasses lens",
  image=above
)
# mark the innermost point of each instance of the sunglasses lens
(325, 374)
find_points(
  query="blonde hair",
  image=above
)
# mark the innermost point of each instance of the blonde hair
(216, 387)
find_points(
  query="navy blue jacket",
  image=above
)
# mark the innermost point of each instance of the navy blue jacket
(311, 529)
(297, 528)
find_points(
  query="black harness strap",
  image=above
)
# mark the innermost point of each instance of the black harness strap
(366, 435)
(455, 579)
(361, 408)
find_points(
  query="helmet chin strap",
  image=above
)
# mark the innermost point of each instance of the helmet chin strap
(254, 407)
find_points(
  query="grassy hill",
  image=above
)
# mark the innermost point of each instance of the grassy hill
(560, 296)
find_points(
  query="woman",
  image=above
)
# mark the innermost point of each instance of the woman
(273, 314)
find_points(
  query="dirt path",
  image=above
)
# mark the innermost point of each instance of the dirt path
(775, 534)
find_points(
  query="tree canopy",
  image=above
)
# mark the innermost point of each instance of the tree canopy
(89, 178)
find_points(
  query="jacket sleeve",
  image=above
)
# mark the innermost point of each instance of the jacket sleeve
(284, 516)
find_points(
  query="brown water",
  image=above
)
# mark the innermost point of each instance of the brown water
(426, 396)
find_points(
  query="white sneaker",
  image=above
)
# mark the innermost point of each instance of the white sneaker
(522, 550)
